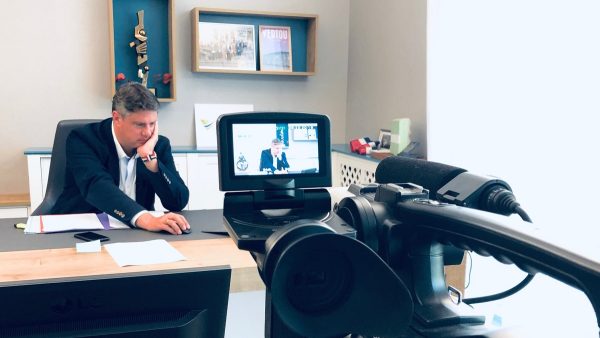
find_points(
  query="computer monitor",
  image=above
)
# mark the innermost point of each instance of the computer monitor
(269, 151)
(167, 303)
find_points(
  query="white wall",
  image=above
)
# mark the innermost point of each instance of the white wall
(55, 65)
(386, 71)
(513, 91)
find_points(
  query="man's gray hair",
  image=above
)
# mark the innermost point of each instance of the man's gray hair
(132, 97)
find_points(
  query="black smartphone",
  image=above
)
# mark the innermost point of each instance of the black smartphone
(91, 236)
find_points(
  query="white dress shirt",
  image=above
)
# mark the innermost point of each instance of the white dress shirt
(127, 172)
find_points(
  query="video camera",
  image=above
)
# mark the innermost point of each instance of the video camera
(319, 278)
(374, 266)
(409, 232)
(377, 213)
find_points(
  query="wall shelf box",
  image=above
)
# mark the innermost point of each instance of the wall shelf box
(303, 35)
(158, 24)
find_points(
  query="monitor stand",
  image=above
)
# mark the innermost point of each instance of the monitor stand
(252, 216)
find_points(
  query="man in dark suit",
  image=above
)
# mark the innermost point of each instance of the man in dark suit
(273, 160)
(117, 166)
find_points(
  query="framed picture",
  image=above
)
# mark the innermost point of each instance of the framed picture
(385, 138)
(275, 45)
(226, 46)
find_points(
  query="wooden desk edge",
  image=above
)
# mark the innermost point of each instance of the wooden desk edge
(32, 265)
(14, 200)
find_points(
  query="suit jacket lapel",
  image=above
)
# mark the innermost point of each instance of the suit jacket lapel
(113, 159)
(139, 179)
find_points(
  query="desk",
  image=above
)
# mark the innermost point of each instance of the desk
(14, 205)
(32, 257)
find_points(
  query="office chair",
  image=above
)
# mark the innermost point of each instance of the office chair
(56, 175)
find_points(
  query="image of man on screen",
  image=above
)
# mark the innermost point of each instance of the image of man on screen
(274, 160)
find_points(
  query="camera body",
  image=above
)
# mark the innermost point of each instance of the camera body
(377, 213)
(373, 214)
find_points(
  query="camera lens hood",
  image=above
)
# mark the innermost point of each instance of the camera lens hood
(325, 284)
(282, 238)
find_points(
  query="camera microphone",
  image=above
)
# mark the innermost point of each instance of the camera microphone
(430, 175)
(451, 184)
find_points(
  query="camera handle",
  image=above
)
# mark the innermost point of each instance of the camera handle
(507, 239)
(433, 305)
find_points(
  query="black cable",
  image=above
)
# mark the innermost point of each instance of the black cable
(468, 283)
(523, 214)
(507, 199)
(500, 295)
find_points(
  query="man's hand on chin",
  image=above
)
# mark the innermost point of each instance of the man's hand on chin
(147, 153)
(170, 222)
(148, 148)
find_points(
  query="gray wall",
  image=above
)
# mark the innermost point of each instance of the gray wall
(386, 67)
(55, 65)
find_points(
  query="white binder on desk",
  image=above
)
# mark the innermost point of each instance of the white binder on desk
(58, 223)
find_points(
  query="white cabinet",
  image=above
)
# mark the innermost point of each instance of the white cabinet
(203, 182)
(181, 166)
(14, 212)
(38, 166)
(199, 171)
(14, 205)
(349, 169)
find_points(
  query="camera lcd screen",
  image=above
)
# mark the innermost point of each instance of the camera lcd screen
(275, 148)
(260, 148)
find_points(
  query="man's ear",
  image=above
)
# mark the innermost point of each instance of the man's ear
(116, 116)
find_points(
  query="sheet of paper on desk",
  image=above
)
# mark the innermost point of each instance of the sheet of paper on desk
(143, 253)
(57, 223)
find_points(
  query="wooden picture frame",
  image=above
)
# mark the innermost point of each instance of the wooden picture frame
(226, 46)
(385, 138)
(302, 26)
(275, 46)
